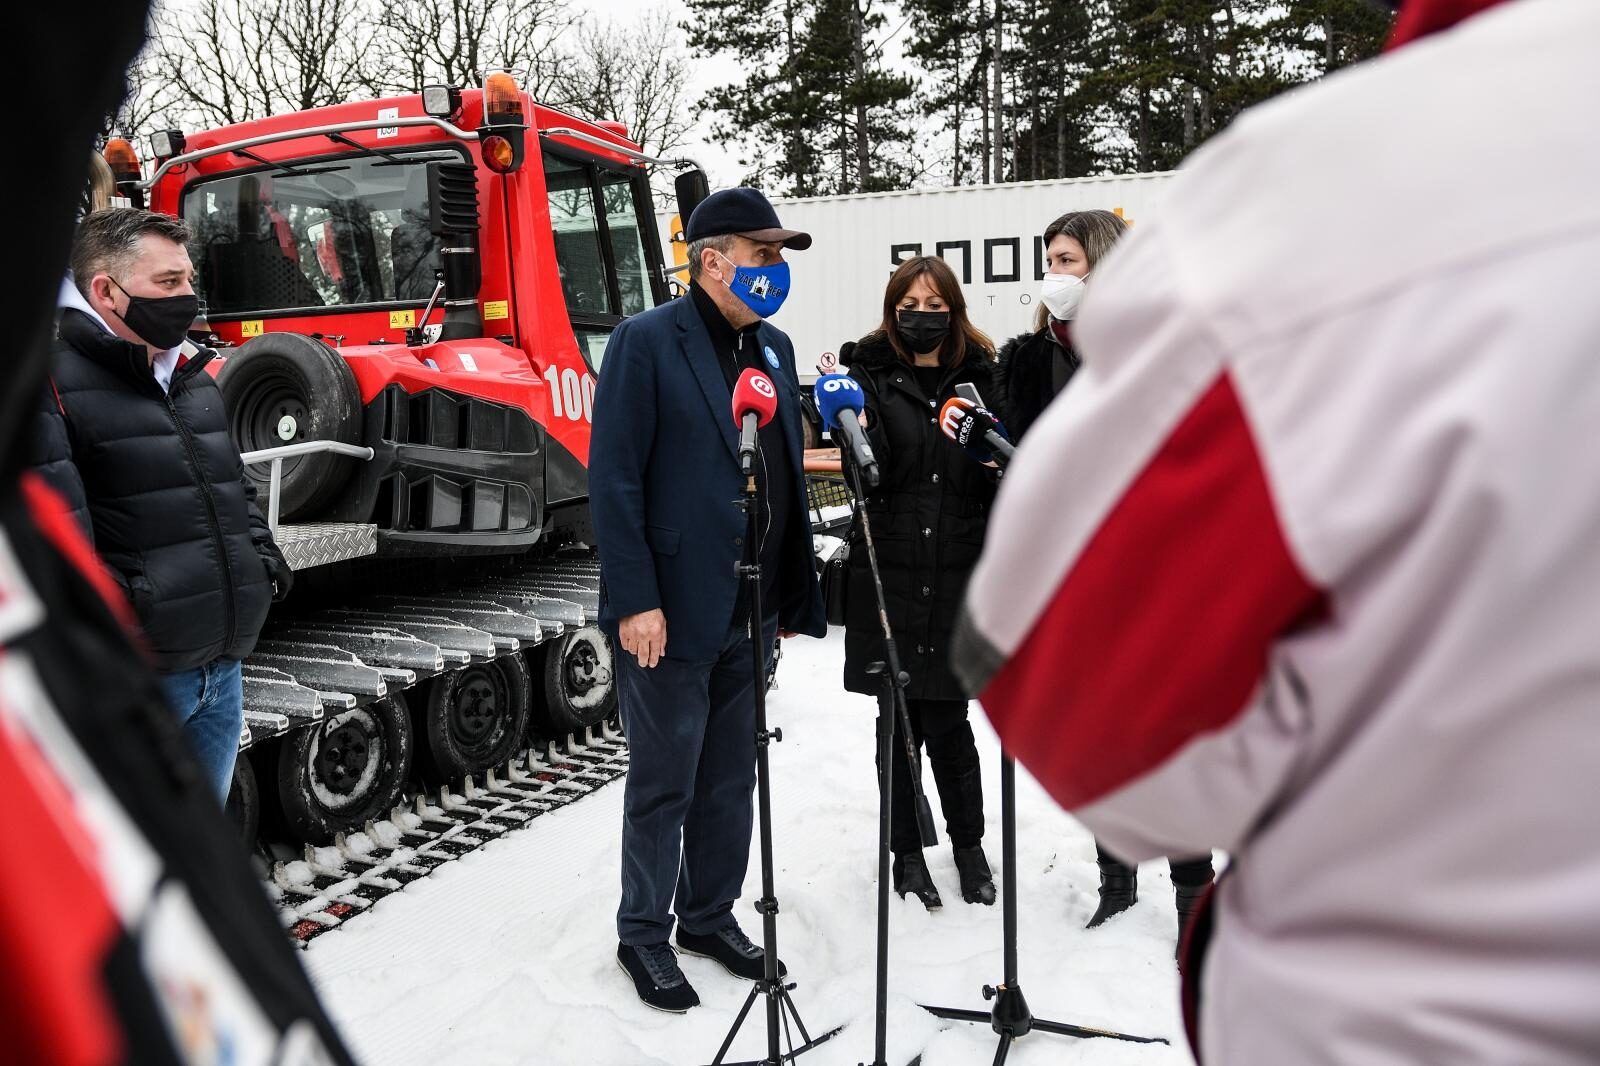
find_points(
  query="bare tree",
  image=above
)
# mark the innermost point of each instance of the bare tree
(635, 74)
(228, 61)
(457, 41)
(148, 101)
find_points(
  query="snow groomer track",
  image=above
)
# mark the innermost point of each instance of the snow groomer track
(333, 885)
(335, 682)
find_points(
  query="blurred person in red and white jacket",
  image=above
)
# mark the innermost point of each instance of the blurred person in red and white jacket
(1306, 564)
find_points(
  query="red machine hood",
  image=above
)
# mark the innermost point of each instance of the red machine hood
(1418, 18)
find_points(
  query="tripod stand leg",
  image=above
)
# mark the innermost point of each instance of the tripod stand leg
(795, 1013)
(1010, 1017)
(1084, 1031)
(749, 1001)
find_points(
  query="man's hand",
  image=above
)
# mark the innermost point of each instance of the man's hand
(279, 573)
(644, 636)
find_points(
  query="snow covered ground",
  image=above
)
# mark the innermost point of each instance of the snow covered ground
(507, 955)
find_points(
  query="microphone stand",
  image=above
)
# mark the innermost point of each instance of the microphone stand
(780, 1006)
(892, 713)
(1010, 1017)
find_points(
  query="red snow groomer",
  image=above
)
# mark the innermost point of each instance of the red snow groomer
(410, 299)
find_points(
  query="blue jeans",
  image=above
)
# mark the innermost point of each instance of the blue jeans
(687, 805)
(209, 703)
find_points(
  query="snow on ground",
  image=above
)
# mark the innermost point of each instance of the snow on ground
(507, 955)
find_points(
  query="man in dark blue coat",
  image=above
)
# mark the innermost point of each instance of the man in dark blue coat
(663, 477)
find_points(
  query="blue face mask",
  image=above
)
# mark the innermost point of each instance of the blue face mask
(761, 289)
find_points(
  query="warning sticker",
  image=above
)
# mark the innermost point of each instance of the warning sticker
(388, 112)
(402, 319)
(252, 328)
(496, 309)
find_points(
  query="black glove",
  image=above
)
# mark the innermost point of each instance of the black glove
(281, 575)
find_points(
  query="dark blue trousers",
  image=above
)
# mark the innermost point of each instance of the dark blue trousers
(688, 805)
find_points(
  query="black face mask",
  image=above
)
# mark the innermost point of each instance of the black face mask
(160, 321)
(923, 331)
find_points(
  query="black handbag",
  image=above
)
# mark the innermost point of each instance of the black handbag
(836, 583)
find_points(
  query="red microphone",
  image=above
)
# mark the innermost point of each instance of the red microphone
(755, 401)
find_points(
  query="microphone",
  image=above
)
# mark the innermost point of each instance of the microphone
(966, 423)
(755, 401)
(839, 401)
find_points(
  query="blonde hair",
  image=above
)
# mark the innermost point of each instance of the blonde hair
(1095, 231)
(101, 186)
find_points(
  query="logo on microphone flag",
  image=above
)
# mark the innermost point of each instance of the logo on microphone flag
(763, 384)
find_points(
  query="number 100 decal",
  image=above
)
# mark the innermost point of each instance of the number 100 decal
(571, 394)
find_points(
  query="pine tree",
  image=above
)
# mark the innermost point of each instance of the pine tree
(773, 108)
(948, 39)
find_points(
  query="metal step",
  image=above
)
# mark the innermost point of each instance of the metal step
(320, 543)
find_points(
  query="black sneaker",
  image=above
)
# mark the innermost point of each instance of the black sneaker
(732, 948)
(656, 977)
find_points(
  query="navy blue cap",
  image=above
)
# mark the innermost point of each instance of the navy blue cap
(745, 212)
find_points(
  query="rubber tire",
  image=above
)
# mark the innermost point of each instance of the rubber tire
(244, 800)
(288, 371)
(311, 819)
(566, 709)
(448, 756)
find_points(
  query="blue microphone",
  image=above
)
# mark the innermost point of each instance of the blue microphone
(839, 401)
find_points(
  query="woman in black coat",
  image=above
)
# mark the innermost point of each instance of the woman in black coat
(1035, 367)
(928, 515)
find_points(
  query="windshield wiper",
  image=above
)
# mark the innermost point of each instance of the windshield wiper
(394, 160)
(285, 168)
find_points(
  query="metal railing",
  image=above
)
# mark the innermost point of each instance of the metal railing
(277, 455)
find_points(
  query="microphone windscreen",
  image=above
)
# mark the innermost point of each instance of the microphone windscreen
(836, 393)
(952, 414)
(754, 392)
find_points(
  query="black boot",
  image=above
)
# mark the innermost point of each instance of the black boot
(1119, 887)
(911, 875)
(1190, 879)
(1188, 900)
(977, 883)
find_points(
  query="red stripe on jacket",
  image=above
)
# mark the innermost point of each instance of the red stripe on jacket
(55, 522)
(1160, 630)
(56, 923)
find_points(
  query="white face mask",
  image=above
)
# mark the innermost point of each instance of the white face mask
(1062, 293)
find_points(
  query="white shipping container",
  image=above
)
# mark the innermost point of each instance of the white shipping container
(989, 234)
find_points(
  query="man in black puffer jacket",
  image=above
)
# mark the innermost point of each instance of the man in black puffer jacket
(139, 436)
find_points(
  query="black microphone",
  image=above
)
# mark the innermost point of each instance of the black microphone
(839, 401)
(961, 420)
